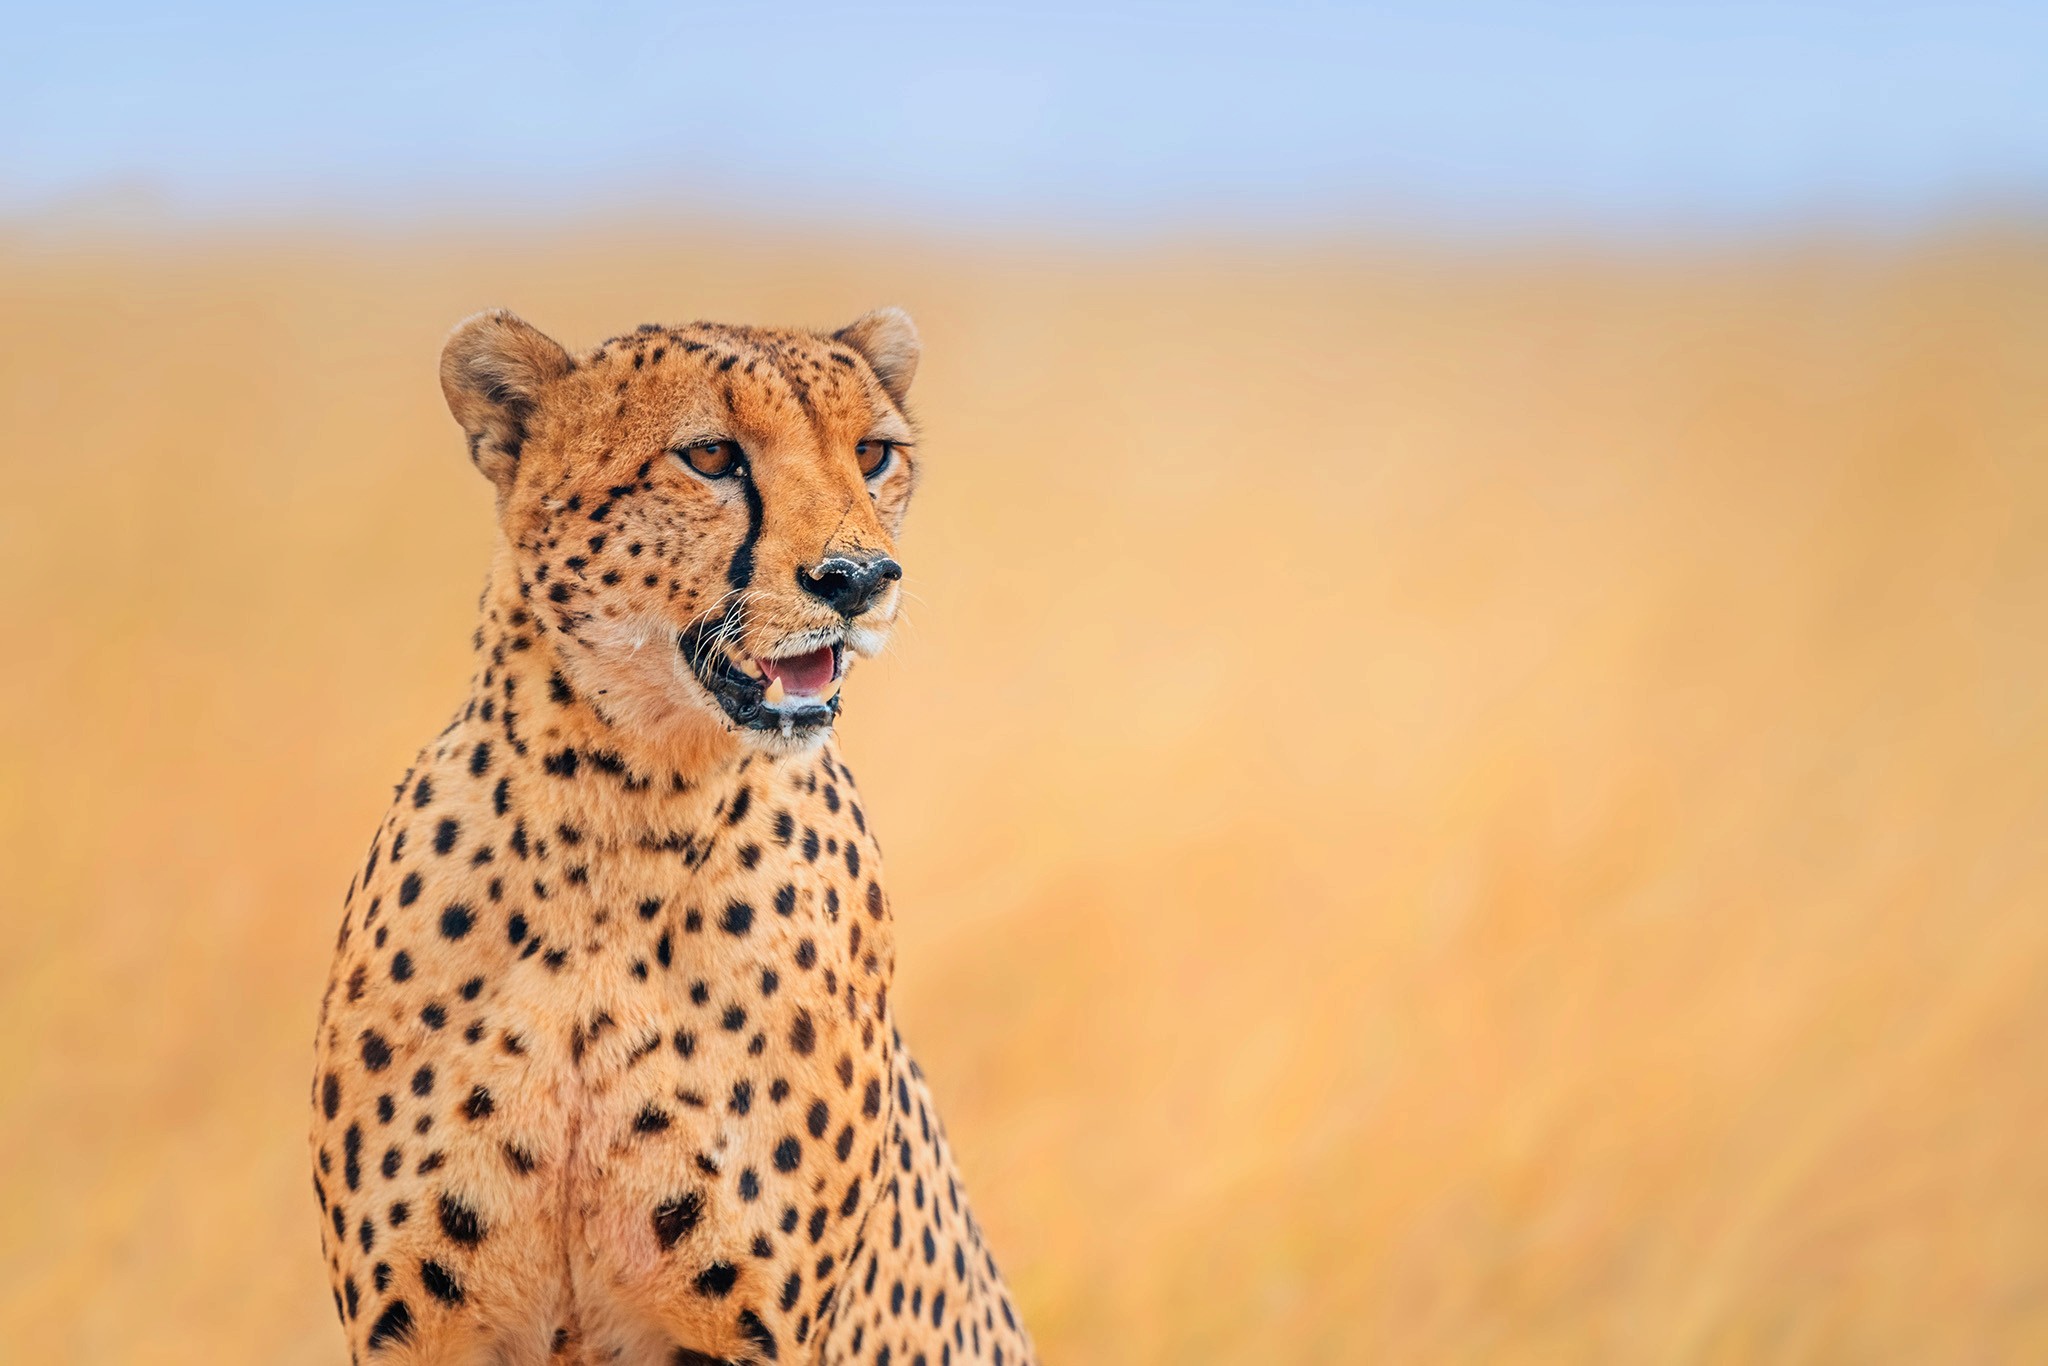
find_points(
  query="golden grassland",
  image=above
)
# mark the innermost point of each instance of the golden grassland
(1443, 807)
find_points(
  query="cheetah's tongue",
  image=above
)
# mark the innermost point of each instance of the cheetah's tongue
(804, 675)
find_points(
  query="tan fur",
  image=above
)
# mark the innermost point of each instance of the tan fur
(607, 1070)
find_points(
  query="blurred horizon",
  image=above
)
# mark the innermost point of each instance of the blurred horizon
(1060, 119)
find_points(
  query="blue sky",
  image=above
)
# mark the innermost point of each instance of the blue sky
(1046, 112)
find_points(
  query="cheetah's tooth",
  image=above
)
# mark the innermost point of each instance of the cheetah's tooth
(773, 697)
(829, 691)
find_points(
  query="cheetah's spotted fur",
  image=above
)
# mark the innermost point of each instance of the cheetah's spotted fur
(607, 1070)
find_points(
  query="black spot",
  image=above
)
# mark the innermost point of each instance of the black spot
(501, 796)
(817, 1118)
(515, 928)
(352, 1156)
(423, 792)
(440, 1284)
(738, 918)
(409, 889)
(741, 801)
(677, 1216)
(751, 1325)
(456, 920)
(423, 1081)
(650, 908)
(875, 900)
(750, 1185)
(394, 1325)
(742, 1096)
(787, 1154)
(561, 764)
(479, 1105)
(785, 900)
(401, 966)
(803, 1035)
(330, 1095)
(445, 834)
(480, 759)
(651, 1120)
(460, 1222)
(717, 1279)
(433, 1016)
(376, 1052)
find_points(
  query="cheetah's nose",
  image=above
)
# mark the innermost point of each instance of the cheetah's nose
(849, 584)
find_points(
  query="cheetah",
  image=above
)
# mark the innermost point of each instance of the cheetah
(606, 1068)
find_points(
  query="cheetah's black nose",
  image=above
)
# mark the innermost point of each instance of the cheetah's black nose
(851, 585)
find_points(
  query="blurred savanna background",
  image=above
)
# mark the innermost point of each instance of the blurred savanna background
(1467, 775)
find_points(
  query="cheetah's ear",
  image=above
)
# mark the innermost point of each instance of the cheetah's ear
(888, 339)
(493, 370)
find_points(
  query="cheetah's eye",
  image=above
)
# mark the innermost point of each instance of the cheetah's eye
(874, 456)
(712, 459)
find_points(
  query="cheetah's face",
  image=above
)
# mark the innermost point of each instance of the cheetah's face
(702, 519)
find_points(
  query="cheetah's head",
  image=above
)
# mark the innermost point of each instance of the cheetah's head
(701, 519)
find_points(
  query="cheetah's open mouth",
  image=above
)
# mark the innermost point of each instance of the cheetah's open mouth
(793, 692)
